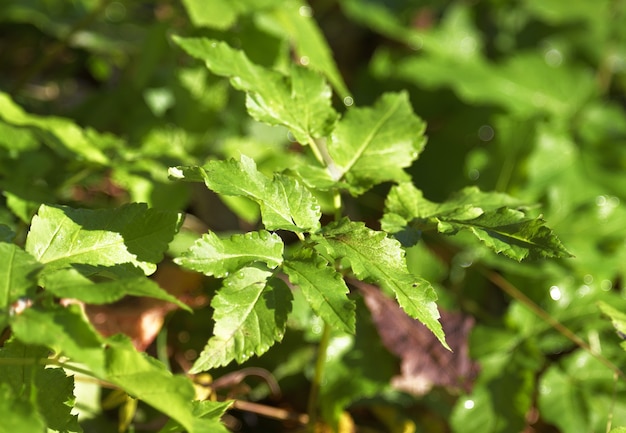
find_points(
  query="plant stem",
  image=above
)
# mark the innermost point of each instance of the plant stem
(317, 378)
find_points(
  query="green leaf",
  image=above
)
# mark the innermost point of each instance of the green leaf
(64, 133)
(294, 20)
(301, 102)
(618, 318)
(324, 289)
(373, 256)
(18, 271)
(74, 336)
(71, 284)
(222, 14)
(502, 229)
(6, 234)
(250, 316)
(60, 236)
(18, 414)
(210, 410)
(373, 145)
(509, 232)
(148, 380)
(50, 388)
(219, 257)
(285, 203)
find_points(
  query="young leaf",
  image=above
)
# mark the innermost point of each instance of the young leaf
(69, 283)
(250, 316)
(374, 256)
(294, 20)
(60, 236)
(285, 203)
(323, 288)
(148, 380)
(222, 14)
(219, 257)
(373, 145)
(301, 103)
(29, 378)
(64, 330)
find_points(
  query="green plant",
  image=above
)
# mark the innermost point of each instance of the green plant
(320, 190)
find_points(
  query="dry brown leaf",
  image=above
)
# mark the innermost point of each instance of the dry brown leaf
(424, 361)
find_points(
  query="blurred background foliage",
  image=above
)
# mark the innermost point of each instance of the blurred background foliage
(522, 97)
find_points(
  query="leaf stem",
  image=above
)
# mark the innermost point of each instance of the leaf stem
(317, 378)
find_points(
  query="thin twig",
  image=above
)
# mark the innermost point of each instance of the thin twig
(515, 293)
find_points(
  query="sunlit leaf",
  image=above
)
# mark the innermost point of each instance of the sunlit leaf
(373, 145)
(219, 257)
(61, 236)
(250, 316)
(18, 271)
(222, 14)
(301, 102)
(285, 203)
(375, 257)
(324, 289)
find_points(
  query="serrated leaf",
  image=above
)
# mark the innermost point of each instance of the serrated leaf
(18, 271)
(29, 378)
(509, 232)
(250, 316)
(61, 236)
(71, 284)
(373, 256)
(64, 330)
(284, 202)
(301, 102)
(324, 290)
(294, 20)
(148, 380)
(211, 411)
(373, 145)
(484, 214)
(219, 257)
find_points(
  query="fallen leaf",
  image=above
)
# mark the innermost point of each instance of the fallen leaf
(424, 361)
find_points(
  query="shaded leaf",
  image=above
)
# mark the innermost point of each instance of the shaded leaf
(301, 102)
(373, 256)
(63, 132)
(148, 380)
(18, 414)
(74, 336)
(219, 257)
(618, 318)
(6, 234)
(425, 362)
(18, 271)
(60, 236)
(324, 289)
(250, 316)
(373, 145)
(285, 203)
(69, 283)
(30, 377)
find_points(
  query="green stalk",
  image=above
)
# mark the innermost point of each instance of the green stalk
(317, 378)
